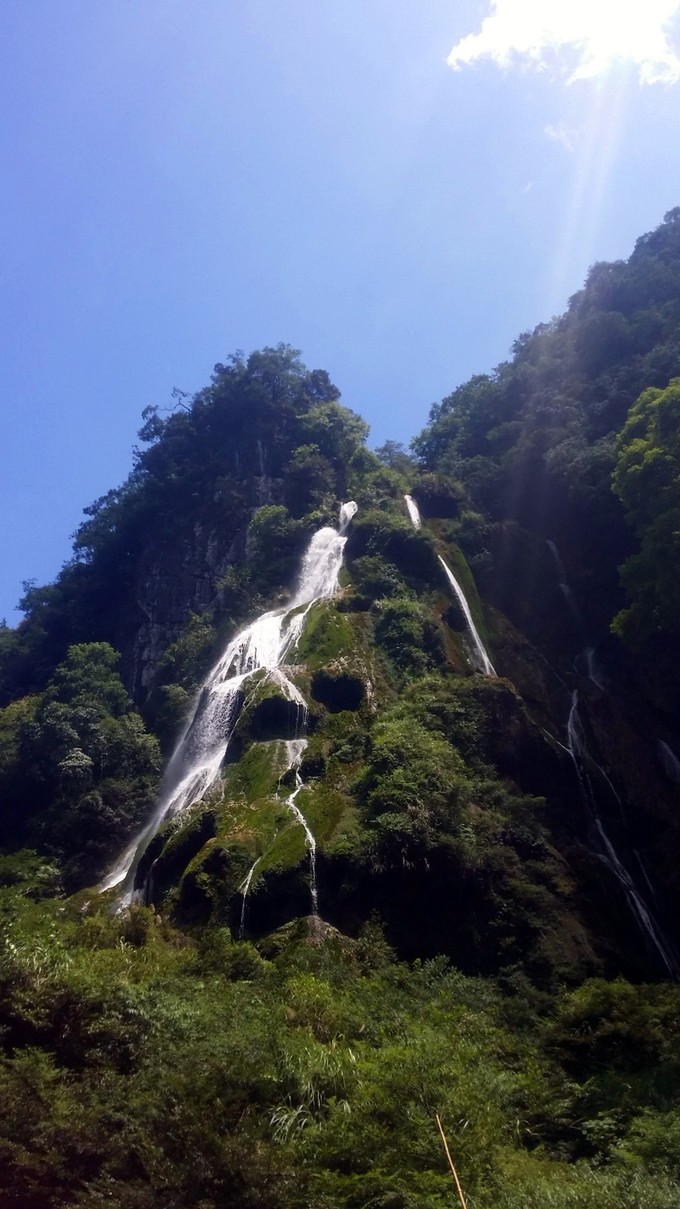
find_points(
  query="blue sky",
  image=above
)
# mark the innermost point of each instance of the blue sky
(183, 178)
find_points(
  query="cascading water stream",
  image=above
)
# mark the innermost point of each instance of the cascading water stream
(412, 509)
(244, 888)
(294, 751)
(605, 850)
(480, 657)
(643, 870)
(195, 764)
(585, 662)
(588, 661)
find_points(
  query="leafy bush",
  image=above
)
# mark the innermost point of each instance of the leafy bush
(409, 635)
(86, 763)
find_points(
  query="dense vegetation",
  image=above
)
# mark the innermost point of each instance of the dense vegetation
(536, 441)
(144, 1070)
(476, 955)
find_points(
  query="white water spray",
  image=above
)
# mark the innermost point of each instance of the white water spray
(480, 657)
(413, 512)
(194, 767)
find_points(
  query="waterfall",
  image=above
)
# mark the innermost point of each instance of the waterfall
(244, 888)
(606, 852)
(194, 767)
(587, 660)
(294, 751)
(671, 764)
(413, 512)
(480, 657)
(585, 663)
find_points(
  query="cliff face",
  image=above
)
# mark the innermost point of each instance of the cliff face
(519, 817)
(182, 575)
(485, 766)
(266, 433)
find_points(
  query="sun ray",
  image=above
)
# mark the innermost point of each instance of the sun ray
(594, 160)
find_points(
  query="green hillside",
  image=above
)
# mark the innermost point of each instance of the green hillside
(433, 868)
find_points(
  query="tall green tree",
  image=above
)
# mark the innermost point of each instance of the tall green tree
(647, 480)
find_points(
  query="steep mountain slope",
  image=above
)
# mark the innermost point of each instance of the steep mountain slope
(396, 726)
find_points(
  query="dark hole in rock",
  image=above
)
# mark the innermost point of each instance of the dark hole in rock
(276, 718)
(313, 766)
(338, 691)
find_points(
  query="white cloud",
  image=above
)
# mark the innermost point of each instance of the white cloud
(587, 36)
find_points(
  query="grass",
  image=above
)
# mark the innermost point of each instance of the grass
(327, 635)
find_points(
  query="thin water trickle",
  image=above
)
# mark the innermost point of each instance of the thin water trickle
(243, 889)
(557, 558)
(671, 764)
(563, 583)
(294, 751)
(604, 849)
(480, 657)
(194, 767)
(588, 661)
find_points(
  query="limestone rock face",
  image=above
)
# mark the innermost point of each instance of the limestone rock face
(183, 574)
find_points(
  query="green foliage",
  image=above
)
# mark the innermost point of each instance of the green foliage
(652, 1142)
(647, 480)
(80, 769)
(389, 535)
(605, 1029)
(533, 441)
(126, 1076)
(438, 495)
(374, 578)
(327, 635)
(310, 481)
(411, 788)
(265, 431)
(409, 635)
(275, 541)
(144, 1070)
(146, 1066)
(472, 532)
(393, 454)
(86, 675)
(185, 662)
(336, 432)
